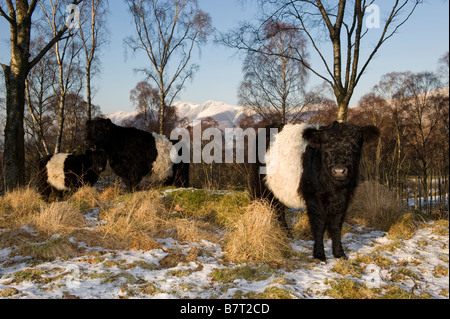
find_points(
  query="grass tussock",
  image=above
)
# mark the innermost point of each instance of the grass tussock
(111, 193)
(257, 236)
(86, 198)
(55, 247)
(58, 218)
(302, 228)
(129, 224)
(142, 216)
(18, 206)
(374, 205)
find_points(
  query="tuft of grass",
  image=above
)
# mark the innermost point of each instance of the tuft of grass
(188, 230)
(374, 205)
(58, 218)
(441, 227)
(349, 289)
(140, 216)
(18, 206)
(229, 275)
(86, 198)
(257, 236)
(132, 221)
(56, 247)
(302, 227)
(348, 267)
(440, 271)
(405, 226)
(270, 293)
(395, 292)
(110, 193)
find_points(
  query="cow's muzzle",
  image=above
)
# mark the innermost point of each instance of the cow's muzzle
(340, 173)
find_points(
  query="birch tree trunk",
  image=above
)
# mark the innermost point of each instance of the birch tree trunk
(19, 18)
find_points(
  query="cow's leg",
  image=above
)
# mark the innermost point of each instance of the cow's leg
(317, 221)
(281, 215)
(335, 220)
(46, 192)
(335, 230)
(129, 185)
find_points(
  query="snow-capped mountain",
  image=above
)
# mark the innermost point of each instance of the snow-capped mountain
(225, 114)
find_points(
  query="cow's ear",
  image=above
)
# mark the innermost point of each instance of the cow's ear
(106, 123)
(371, 133)
(313, 137)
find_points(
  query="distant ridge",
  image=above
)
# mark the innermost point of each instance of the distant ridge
(226, 115)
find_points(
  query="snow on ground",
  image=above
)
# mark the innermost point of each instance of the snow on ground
(418, 266)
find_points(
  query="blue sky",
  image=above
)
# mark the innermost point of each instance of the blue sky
(417, 47)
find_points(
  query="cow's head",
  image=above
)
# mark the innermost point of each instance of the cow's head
(341, 146)
(98, 160)
(97, 133)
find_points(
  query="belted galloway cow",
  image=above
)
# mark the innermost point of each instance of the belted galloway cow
(138, 157)
(313, 167)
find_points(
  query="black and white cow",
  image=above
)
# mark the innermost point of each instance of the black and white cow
(67, 172)
(138, 157)
(313, 167)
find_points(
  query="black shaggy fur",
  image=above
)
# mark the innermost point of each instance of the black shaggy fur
(79, 170)
(180, 176)
(131, 152)
(329, 179)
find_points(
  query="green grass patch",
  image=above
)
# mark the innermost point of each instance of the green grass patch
(229, 275)
(349, 289)
(395, 292)
(270, 293)
(213, 206)
(348, 267)
(55, 247)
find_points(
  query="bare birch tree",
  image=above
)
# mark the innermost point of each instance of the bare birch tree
(68, 64)
(19, 15)
(274, 85)
(93, 36)
(422, 107)
(167, 31)
(342, 26)
(38, 93)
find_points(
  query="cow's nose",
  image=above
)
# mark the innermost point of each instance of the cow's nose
(340, 172)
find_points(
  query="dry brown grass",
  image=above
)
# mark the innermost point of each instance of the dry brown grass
(129, 221)
(189, 230)
(374, 205)
(58, 218)
(111, 193)
(86, 198)
(302, 227)
(257, 236)
(143, 216)
(142, 213)
(17, 207)
(55, 247)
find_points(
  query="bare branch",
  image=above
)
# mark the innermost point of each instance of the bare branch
(11, 20)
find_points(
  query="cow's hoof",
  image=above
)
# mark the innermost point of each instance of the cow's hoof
(320, 257)
(341, 256)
